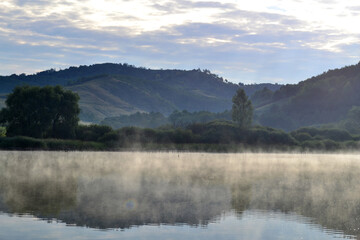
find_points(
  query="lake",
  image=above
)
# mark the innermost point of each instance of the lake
(171, 195)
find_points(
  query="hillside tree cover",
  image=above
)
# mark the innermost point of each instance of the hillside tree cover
(108, 89)
(351, 123)
(242, 110)
(184, 118)
(262, 97)
(323, 99)
(41, 112)
(138, 119)
(177, 119)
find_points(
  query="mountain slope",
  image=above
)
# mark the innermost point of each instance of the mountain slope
(318, 100)
(115, 95)
(109, 89)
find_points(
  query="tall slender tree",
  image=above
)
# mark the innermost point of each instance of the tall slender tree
(242, 110)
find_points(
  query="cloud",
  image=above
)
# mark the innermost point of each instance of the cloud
(251, 42)
(181, 6)
(354, 8)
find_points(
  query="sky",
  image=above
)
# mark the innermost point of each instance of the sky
(256, 41)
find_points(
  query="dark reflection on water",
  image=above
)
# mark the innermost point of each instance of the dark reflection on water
(122, 190)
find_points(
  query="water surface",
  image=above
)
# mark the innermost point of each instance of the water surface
(98, 195)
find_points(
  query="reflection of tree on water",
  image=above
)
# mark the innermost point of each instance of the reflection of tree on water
(329, 195)
(24, 188)
(44, 199)
(241, 197)
(96, 195)
(107, 203)
(120, 190)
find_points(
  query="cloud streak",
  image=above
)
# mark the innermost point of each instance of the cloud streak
(260, 41)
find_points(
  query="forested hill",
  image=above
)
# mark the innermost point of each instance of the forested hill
(322, 99)
(113, 89)
(108, 90)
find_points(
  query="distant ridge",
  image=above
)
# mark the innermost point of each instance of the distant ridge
(108, 90)
(111, 89)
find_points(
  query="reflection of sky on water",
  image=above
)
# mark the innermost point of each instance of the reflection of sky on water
(179, 196)
(253, 225)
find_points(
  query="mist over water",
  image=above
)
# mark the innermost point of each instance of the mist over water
(318, 193)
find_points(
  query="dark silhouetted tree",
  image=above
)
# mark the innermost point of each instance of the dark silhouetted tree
(242, 110)
(41, 112)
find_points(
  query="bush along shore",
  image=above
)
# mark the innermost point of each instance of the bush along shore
(216, 136)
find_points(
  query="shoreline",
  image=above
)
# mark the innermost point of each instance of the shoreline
(47, 145)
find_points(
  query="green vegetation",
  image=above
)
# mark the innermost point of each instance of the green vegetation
(242, 110)
(215, 136)
(47, 117)
(28, 143)
(108, 90)
(147, 120)
(326, 98)
(111, 90)
(176, 119)
(92, 132)
(262, 97)
(184, 118)
(228, 136)
(352, 121)
(2, 132)
(42, 118)
(41, 112)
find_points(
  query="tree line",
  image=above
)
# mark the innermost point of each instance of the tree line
(47, 118)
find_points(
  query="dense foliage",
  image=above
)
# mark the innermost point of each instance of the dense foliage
(262, 97)
(242, 110)
(184, 118)
(231, 137)
(41, 112)
(214, 136)
(211, 133)
(180, 119)
(2, 132)
(52, 112)
(95, 133)
(352, 122)
(322, 99)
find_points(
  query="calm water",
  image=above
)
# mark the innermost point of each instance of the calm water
(87, 195)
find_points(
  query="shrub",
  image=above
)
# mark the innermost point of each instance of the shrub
(2, 132)
(21, 142)
(57, 144)
(331, 145)
(181, 136)
(269, 136)
(324, 133)
(312, 144)
(302, 136)
(353, 145)
(92, 132)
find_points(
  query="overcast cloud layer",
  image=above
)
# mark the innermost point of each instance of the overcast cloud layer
(255, 41)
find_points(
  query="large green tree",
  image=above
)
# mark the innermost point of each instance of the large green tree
(242, 110)
(41, 112)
